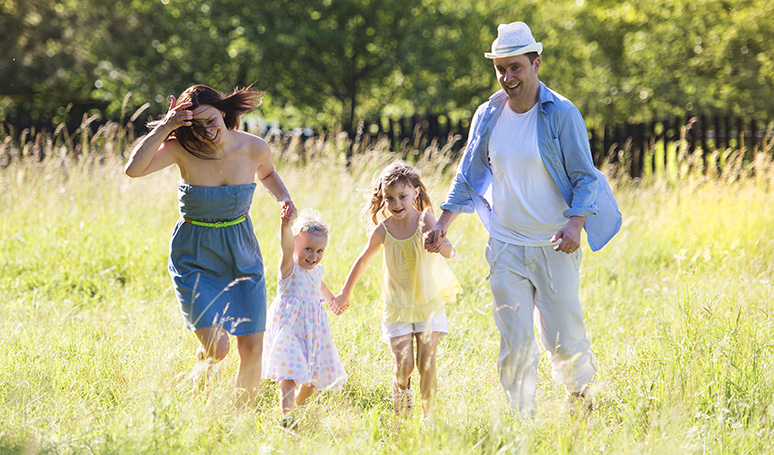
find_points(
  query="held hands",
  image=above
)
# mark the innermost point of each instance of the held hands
(433, 238)
(339, 304)
(178, 115)
(288, 213)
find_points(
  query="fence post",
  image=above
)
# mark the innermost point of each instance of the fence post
(593, 147)
(691, 132)
(606, 142)
(432, 127)
(639, 149)
(677, 130)
(652, 138)
(720, 133)
(663, 139)
(394, 126)
(406, 128)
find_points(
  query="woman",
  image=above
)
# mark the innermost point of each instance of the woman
(215, 261)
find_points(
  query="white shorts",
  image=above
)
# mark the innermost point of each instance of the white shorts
(397, 329)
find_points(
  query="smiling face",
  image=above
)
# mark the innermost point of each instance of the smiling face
(399, 199)
(518, 77)
(211, 121)
(308, 248)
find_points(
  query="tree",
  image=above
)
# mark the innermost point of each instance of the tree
(342, 60)
(42, 65)
(665, 58)
(351, 58)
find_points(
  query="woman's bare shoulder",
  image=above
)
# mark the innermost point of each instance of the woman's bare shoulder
(173, 147)
(251, 142)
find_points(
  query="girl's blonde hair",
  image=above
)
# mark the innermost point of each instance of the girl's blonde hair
(309, 220)
(398, 172)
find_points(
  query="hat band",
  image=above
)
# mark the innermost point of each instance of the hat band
(508, 50)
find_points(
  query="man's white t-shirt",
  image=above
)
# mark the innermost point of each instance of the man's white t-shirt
(527, 206)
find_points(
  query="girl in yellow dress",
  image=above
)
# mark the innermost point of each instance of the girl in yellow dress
(415, 284)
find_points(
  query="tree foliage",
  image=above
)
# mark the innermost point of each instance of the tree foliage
(325, 61)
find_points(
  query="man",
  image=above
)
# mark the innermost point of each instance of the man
(527, 171)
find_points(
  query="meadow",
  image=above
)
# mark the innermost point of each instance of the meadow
(94, 357)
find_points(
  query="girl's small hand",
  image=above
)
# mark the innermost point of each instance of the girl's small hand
(178, 115)
(339, 304)
(433, 238)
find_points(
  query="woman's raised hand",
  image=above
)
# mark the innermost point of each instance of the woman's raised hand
(178, 115)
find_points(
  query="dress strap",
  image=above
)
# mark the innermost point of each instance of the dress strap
(417, 232)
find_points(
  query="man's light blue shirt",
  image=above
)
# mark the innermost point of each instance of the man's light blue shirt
(564, 147)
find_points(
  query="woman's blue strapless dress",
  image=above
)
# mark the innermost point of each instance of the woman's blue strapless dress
(218, 273)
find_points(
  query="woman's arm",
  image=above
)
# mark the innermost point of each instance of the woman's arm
(153, 152)
(270, 179)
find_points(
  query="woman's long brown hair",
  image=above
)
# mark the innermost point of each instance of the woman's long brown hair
(194, 138)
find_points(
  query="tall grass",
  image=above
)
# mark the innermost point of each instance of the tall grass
(95, 358)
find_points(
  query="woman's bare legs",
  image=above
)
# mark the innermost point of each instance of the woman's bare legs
(214, 347)
(214, 344)
(248, 378)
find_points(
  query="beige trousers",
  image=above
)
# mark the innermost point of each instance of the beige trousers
(537, 286)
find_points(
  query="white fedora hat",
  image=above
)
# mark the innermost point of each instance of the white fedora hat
(513, 39)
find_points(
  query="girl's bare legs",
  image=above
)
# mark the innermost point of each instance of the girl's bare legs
(304, 392)
(248, 378)
(287, 395)
(427, 344)
(403, 350)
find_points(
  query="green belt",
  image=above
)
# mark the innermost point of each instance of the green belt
(219, 224)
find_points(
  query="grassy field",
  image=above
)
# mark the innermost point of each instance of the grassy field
(94, 357)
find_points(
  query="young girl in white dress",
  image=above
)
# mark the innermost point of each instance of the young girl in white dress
(298, 348)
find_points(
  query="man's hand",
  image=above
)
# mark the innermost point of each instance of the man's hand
(569, 235)
(435, 236)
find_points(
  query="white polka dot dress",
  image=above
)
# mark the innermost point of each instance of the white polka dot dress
(297, 344)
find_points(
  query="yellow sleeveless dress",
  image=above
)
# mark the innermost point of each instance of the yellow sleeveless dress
(415, 284)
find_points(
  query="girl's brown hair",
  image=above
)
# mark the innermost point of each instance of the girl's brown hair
(194, 138)
(399, 172)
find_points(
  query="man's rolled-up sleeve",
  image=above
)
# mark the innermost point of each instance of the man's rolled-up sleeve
(459, 199)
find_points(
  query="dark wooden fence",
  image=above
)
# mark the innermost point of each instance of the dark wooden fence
(704, 133)
(631, 144)
(707, 133)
